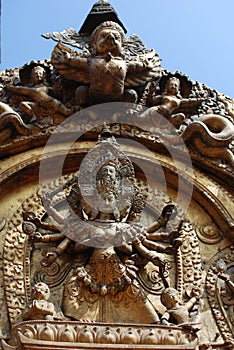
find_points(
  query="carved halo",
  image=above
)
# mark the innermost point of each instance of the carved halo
(25, 71)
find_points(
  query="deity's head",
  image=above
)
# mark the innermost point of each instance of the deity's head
(173, 86)
(38, 75)
(40, 291)
(170, 297)
(221, 266)
(108, 181)
(107, 37)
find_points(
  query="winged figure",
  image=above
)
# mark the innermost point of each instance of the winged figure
(109, 70)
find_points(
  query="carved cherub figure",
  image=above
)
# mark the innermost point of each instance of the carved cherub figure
(37, 103)
(40, 308)
(170, 104)
(177, 311)
(107, 75)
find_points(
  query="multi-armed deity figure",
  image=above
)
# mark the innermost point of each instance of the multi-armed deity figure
(107, 242)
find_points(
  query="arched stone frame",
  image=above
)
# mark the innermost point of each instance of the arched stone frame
(211, 204)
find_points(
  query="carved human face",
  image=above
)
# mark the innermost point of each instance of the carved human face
(38, 74)
(109, 40)
(107, 182)
(221, 266)
(170, 297)
(173, 86)
(40, 291)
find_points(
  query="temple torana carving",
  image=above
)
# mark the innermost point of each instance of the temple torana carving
(116, 220)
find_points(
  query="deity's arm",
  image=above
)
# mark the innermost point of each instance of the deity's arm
(70, 63)
(155, 226)
(226, 279)
(157, 247)
(125, 249)
(191, 102)
(54, 213)
(191, 303)
(51, 237)
(149, 254)
(165, 318)
(162, 236)
(62, 246)
(28, 313)
(157, 100)
(29, 92)
(5, 108)
(139, 66)
(59, 250)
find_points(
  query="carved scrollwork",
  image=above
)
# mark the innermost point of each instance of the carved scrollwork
(208, 233)
(16, 261)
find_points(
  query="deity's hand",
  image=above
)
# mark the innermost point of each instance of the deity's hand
(37, 236)
(173, 235)
(31, 230)
(36, 305)
(196, 292)
(159, 261)
(49, 259)
(46, 200)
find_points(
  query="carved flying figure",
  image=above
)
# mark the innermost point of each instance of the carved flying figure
(170, 104)
(105, 72)
(36, 101)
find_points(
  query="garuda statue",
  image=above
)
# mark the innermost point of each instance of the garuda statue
(107, 70)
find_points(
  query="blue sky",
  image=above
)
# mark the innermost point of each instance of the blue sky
(195, 37)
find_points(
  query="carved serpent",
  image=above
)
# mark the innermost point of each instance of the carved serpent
(210, 135)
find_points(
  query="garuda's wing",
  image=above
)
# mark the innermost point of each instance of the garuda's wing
(143, 64)
(142, 68)
(69, 37)
(71, 64)
(134, 46)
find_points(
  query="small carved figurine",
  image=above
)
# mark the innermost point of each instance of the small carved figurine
(40, 308)
(170, 103)
(177, 311)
